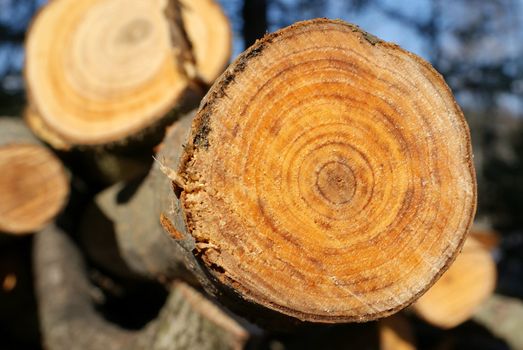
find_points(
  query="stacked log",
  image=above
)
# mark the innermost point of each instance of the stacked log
(316, 184)
(34, 185)
(264, 201)
(70, 321)
(459, 293)
(111, 72)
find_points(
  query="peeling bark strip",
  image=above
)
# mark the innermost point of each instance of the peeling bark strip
(327, 177)
(70, 321)
(106, 72)
(33, 184)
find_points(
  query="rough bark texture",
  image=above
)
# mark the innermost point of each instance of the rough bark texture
(69, 319)
(33, 183)
(312, 152)
(503, 316)
(132, 214)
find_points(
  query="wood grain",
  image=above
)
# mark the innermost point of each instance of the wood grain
(103, 71)
(210, 35)
(328, 175)
(462, 289)
(33, 184)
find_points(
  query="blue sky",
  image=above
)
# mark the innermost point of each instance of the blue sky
(371, 19)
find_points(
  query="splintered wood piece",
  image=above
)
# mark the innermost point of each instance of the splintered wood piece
(102, 71)
(33, 183)
(210, 35)
(328, 175)
(461, 290)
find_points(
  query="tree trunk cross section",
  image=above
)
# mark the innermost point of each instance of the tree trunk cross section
(327, 176)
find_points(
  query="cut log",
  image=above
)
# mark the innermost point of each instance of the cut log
(33, 184)
(105, 72)
(461, 290)
(327, 177)
(69, 319)
(396, 333)
(341, 204)
(209, 32)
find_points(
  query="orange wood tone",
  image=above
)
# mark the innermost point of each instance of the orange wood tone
(33, 187)
(101, 71)
(210, 35)
(462, 289)
(328, 175)
(396, 333)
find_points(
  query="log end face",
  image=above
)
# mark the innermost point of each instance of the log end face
(33, 185)
(117, 75)
(462, 289)
(321, 185)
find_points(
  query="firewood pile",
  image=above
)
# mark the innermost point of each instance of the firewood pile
(317, 193)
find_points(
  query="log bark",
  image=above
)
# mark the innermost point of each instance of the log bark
(503, 316)
(33, 183)
(131, 231)
(466, 285)
(327, 177)
(127, 219)
(124, 68)
(69, 319)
